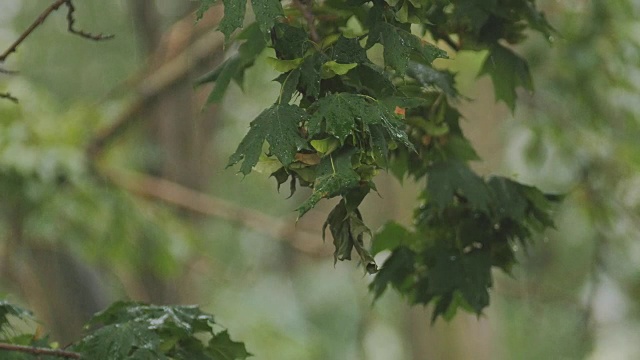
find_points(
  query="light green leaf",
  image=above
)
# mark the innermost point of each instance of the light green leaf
(332, 68)
(284, 65)
(325, 146)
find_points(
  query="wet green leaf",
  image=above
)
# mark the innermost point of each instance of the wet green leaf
(279, 126)
(508, 71)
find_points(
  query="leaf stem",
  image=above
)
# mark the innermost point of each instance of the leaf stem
(305, 7)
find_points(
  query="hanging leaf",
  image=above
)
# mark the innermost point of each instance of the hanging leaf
(279, 126)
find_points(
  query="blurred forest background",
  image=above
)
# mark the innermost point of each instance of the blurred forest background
(112, 185)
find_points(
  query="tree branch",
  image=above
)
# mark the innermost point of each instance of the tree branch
(40, 20)
(40, 351)
(180, 196)
(7, 72)
(154, 84)
(9, 97)
(305, 7)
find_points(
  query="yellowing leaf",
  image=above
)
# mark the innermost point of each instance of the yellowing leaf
(325, 146)
(308, 159)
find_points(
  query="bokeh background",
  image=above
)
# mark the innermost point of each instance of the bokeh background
(112, 186)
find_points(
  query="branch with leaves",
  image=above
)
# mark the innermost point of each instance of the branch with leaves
(360, 94)
(131, 330)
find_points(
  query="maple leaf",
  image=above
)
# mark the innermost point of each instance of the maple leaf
(369, 79)
(289, 42)
(449, 177)
(222, 347)
(429, 77)
(204, 6)
(234, 67)
(334, 176)
(391, 236)
(508, 71)
(347, 50)
(279, 126)
(470, 274)
(397, 271)
(233, 18)
(267, 12)
(338, 114)
(399, 45)
(346, 227)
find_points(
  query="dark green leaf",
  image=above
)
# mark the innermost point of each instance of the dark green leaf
(368, 79)
(509, 199)
(204, 6)
(267, 12)
(337, 114)
(447, 179)
(117, 341)
(399, 45)
(279, 126)
(335, 176)
(221, 347)
(311, 75)
(347, 50)
(397, 271)
(289, 82)
(428, 76)
(469, 273)
(508, 71)
(290, 42)
(235, 66)
(234, 11)
(390, 236)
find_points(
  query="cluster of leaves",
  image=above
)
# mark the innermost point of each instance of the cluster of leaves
(359, 93)
(131, 331)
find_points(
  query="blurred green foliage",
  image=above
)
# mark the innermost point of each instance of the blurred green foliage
(576, 295)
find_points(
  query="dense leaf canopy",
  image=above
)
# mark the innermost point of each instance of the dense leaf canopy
(360, 93)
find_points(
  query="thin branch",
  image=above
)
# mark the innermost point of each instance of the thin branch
(40, 20)
(40, 351)
(9, 97)
(153, 85)
(7, 72)
(71, 20)
(305, 7)
(180, 196)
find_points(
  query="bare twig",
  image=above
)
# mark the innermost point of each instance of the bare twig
(40, 351)
(305, 7)
(40, 20)
(177, 195)
(7, 72)
(9, 97)
(71, 20)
